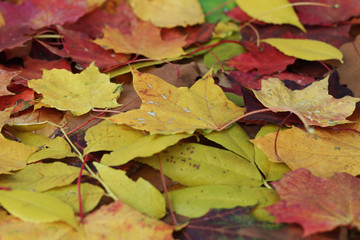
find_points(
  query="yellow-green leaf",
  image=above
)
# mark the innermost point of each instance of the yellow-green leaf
(166, 109)
(271, 11)
(37, 207)
(194, 202)
(41, 176)
(78, 93)
(13, 155)
(48, 148)
(140, 195)
(311, 50)
(194, 164)
(169, 13)
(90, 196)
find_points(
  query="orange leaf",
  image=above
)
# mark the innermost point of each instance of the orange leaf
(166, 109)
(317, 204)
(145, 39)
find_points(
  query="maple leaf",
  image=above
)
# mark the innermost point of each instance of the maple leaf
(313, 105)
(145, 39)
(317, 204)
(166, 109)
(78, 93)
(6, 75)
(169, 13)
(261, 59)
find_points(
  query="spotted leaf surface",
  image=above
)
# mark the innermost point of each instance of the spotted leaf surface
(313, 105)
(166, 109)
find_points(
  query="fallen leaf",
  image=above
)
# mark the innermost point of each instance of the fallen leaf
(41, 177)
(13, 155)
(169, 13)
(194, 202)
(313, 105)
(212, 16)
(194, 164)
(271, 12)
(309, 14)
(261, 58)
(78, 93)
(5, 78)
(317, 204)
(37, 207)
(311, 50)
(4, 116)
(18, 34)
(203, 106)
(145, 39)
(140, 195)
(20, 101)
(90, 196)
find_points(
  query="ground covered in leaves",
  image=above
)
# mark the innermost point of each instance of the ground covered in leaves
(179, 119)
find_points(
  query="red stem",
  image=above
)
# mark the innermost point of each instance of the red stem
(166, 192)
(212, 53)
(5, 188)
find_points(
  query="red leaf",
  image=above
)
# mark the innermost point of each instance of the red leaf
(261, 59)
(14, 36)
(318, 204)
(21, 101)
(316, 15)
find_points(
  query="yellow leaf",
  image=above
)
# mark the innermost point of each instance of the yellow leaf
(41, 176)
(78, 93)
(271, 11)
(90, 196)
(311, 50)
(166, 109)
(4, 116)
(194, 202)
(145, 39)
(195, 164)
(113, 221)
(323, 153)
(168, 13)
(13, 155)
(2, 20)
(37, 207)
(313, 105)
(140, 195)
(48, 148)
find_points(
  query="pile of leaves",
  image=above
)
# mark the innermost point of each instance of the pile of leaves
(186, 119)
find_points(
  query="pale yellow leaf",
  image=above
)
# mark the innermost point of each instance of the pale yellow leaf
(140, 195)
(271, 11)
(78, 93)
(37, 207)
(307, 49)
(169, 13)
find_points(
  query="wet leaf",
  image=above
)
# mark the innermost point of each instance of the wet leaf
(317, 204)
(78, 93)
(166, 109)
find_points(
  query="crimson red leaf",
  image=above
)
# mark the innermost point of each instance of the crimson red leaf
(318, 204)
(20, 101)
(261, 59)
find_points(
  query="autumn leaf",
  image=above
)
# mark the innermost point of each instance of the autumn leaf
(317, 204)
(145, 39)
(324, 153)
(140, 195)
(166, 109)
(78, 93)
(37, 207)
(313, 105)
(275, 11)
(311, 50)
(195, 164)
(169, 13)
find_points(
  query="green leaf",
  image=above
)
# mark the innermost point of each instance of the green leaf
(41, 176)
(195, 164)
(218, 15)
(37, 207)
(90, 196)
(271, 11)
(140, 195)
(194, 202)
(311, 50)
